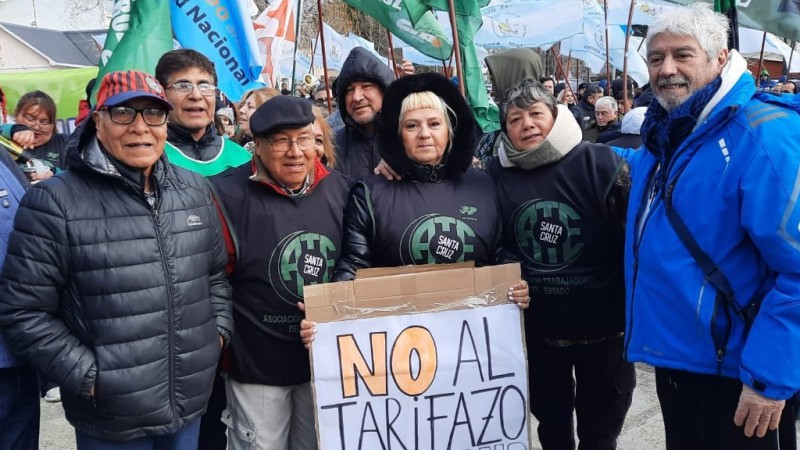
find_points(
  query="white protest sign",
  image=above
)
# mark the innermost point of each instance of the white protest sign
(437, 380)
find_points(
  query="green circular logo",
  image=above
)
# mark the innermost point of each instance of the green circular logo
(548, 234)
(300, 259)
(437, 239)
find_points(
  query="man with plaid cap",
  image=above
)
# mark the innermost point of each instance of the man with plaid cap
(114, 284)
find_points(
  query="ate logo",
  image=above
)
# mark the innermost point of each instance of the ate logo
(437, 239)
(548, 233)
(302, 258)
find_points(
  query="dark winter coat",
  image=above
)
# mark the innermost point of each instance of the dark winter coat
(356, 152)
(100, 290)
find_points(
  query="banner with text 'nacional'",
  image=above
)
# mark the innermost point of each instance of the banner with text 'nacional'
(222, 32)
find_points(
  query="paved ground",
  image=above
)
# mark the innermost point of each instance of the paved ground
(643, 428)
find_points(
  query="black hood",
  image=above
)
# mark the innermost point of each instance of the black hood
(361, 65)
(466, 133)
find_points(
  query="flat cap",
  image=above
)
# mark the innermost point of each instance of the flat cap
(281, 112)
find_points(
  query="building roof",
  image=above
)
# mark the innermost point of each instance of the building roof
(67, 48)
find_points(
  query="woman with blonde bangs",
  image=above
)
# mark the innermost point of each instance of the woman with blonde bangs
(427, 134)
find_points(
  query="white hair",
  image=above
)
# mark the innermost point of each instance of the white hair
(698, 21)
(607, 101)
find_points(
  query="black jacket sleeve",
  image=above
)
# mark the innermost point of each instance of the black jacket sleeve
(358, 235)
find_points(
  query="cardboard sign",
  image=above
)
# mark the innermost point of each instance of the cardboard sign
(430, 358)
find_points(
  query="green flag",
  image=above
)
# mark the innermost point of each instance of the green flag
(396, 15)
(140, 32)
(779, 17)
(468, 22)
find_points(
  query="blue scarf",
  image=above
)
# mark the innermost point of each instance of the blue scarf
(663, 132)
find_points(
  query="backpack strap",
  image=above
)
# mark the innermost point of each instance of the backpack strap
(720, 331)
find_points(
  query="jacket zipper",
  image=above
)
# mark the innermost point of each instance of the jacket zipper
(170, 312)
(637, 238)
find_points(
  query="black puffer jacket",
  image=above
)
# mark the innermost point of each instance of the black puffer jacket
(99, 289)
(356, 152)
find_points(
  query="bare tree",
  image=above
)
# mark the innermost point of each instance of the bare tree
(80, 9)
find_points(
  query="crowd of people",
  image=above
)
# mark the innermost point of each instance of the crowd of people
(153, 261)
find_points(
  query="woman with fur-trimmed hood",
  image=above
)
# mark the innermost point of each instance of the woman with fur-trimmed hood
(441, 211)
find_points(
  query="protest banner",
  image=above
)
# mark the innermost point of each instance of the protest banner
(424, 357)
(66, 86)
(221, 31)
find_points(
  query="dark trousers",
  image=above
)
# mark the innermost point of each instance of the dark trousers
(787, 433)
(698, 413)
(183, 439)
(212, 430)
(600, 393)
(19, 408)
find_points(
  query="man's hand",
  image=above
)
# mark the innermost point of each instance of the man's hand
(406, 68)
(387, 172)
(757, 413)
(307, 328)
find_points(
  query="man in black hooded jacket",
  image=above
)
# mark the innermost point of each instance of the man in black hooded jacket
(359, 94)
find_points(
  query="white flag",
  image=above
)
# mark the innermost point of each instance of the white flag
(644, 11)
(528, 23)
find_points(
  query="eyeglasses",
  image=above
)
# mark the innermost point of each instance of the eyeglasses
(282, 145)
(44, 123)
(186, 87)
(125, 115)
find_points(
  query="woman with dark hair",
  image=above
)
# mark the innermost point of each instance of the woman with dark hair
(563, 204)
(35, 131)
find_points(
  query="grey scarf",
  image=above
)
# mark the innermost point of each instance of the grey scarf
(563, 137)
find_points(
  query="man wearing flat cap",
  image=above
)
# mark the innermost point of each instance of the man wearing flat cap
(114, 282)
(286, 209)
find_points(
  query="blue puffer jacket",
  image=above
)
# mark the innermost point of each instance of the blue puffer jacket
(738, 181)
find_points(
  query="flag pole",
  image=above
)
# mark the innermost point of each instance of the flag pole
(456, 48)
(608, 51)
(296, 39)
(789, 66)
(324, 58)
(625, 59)
(314, 51)
(557, 57)
(761, 57)
(391, 53)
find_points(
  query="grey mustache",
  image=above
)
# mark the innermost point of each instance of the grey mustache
(672, 80)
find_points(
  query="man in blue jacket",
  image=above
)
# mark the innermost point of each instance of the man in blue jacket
(19, 387)
(712, 244)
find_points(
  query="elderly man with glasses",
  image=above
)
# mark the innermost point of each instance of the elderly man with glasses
(114, 281)
(190, 79)
(286, 210)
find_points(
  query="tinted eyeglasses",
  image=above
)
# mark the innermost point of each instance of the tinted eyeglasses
(185, 87)
(282, 145)
(125, 115)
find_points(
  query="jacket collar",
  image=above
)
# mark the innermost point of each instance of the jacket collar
(177, 133)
